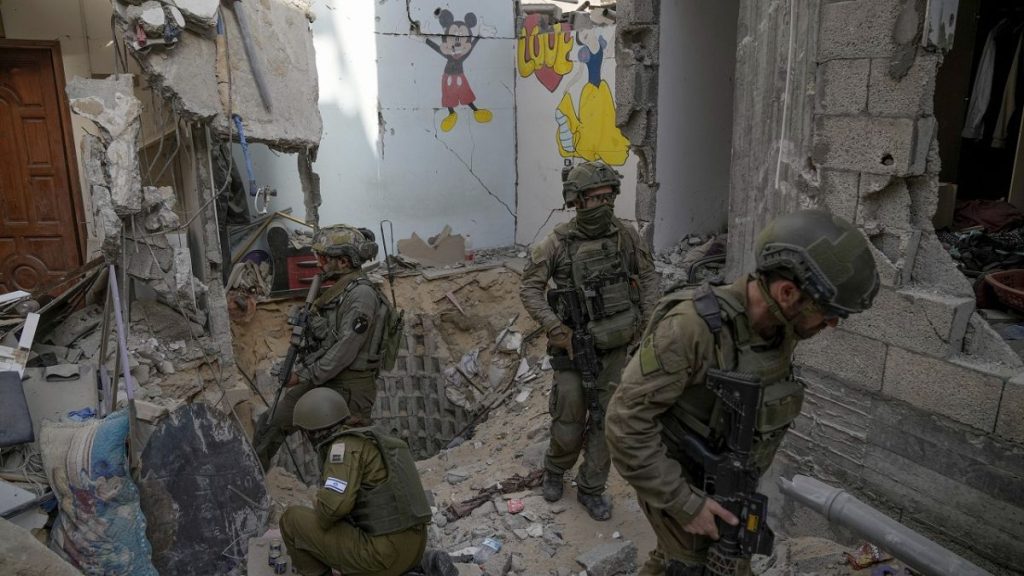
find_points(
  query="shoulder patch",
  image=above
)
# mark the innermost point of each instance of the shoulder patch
(336, 484)
(337, 455)
(360, 324)
(648, 357)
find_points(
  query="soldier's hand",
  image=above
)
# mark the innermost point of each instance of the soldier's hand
(704, 523)
(561, 337)
(293, 380)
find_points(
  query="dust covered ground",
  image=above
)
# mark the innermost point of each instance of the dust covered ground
(543, 538)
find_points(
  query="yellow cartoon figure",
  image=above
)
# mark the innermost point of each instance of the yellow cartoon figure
(591, 134)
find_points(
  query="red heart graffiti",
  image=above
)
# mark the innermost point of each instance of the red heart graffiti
(544, 74)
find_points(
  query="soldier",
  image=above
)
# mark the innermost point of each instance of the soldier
(604, 265)
(370, 514)
(345, 335)
(813, 269)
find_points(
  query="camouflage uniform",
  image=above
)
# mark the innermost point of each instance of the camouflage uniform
(551, 259)
(662, 396)
(344, 340)
(344, 529)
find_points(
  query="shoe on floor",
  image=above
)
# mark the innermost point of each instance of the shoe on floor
(552, 487)
(597, 506)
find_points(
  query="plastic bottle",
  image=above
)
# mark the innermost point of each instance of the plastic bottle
(488, 548)
(470, 255)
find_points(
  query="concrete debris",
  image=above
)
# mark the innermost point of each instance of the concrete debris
(112, 105)
(617, 557)
(201, 12)
(24, 555)
(441, 250)
(150, 16)
(692, 260)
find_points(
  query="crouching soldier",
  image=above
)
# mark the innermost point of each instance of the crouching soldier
(370, 515)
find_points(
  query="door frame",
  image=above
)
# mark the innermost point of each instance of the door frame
(67, 135)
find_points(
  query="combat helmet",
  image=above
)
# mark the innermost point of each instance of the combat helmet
(828, 258)
(587, 176)
(357, 244)
(320, 408)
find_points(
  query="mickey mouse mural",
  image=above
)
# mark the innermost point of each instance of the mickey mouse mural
(457, 43)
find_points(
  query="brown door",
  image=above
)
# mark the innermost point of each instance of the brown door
(40, 208)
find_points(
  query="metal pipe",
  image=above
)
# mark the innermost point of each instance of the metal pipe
(911, 548)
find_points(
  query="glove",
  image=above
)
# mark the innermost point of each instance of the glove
(561, 337)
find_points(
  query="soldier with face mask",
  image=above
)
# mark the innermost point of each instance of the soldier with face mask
(370, 513)
(813, 269)
(604, 264)
(344, 337)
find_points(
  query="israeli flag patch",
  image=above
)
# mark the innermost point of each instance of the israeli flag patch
(335, 484)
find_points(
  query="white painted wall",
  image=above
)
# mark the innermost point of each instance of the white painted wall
(540, 161)
(383, 153)
(695, 89)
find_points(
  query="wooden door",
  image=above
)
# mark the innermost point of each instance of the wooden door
(41, 232)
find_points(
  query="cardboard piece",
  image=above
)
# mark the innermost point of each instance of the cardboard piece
(11, 497)
(442, 250)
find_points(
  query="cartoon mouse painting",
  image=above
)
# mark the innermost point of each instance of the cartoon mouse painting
(457, 43)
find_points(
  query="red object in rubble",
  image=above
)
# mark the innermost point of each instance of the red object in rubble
(515, 506)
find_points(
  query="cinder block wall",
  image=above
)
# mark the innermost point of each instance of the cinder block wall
(916, 406)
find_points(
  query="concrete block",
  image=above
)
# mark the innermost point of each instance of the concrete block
(979, 460)
(858, 29)
(924, 200)
(944, 509)
(887, 208)
(843, 86)
(1010, 422)
(934, 267)
(910, 96)
(983, 345)
(964, 395)
(616, 557)
(914, 320)
(639, 11)
(839, 190)
(851, 358)
(873, 145)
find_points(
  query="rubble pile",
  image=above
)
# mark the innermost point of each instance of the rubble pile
(692, 260)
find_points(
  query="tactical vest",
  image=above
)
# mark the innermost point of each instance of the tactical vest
(698, 410)
(399, 503)
(606, 273)
(323, 326)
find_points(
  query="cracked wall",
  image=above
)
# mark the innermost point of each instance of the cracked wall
(916, 404)
(386, 152)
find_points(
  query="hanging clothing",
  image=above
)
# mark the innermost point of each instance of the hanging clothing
(1009, 102)
(981, 94)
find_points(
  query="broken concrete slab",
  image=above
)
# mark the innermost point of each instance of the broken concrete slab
(150, 15)
(186, 76)
(112, 105)
(617, 557)
(443, 250)
(201, 12)
(52, 399)
(24, 555)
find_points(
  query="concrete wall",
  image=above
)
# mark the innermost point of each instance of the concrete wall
(384, 153)
(915, 405)
(695, 118)
(549, 97)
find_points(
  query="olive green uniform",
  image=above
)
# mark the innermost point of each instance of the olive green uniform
(662, 396)
(620, 251)
(369, 516)
(344, 334)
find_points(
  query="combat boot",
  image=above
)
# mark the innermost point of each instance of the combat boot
(597, 505)
(552, 487)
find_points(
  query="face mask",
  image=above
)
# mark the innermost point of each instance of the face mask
(595, 221)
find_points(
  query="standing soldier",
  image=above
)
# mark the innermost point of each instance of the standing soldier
(344, 335)
(604, 274)
(370, 514)
(813, 269)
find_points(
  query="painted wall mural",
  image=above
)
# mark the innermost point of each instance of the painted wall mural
(456, 45)
(589, 131)
(543, 50)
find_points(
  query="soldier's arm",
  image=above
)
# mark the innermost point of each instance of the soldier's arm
(341, 480)
(650, 289)
(669, 359)
(355, 323)
(534, 284)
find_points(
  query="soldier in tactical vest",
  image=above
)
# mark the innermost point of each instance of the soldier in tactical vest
(603, 267)
(370, 514)
(813, 269)
(344, 335)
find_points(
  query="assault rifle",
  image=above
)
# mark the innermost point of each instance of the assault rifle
(299, 320)
(730, 476)
(568, 305)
